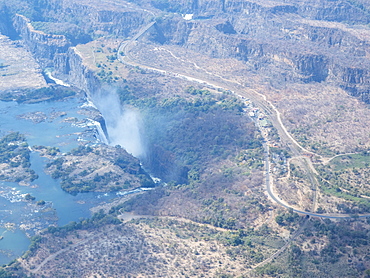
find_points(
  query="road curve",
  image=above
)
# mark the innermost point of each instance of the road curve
(270, 111)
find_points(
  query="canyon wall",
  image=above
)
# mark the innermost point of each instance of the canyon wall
(43, 46)
(87, 20)
(281, 40)
(303, 41)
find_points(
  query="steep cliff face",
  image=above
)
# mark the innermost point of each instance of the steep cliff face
(288, 39)
(69, 67)
(120, 24)
(355, 12)
(356, 81)
(6, 26)
(341, 11)
(220, 40)
(43, 46)
(75, 19)
(272, 38)
(313, 67)
(95, 18)
(55, 51)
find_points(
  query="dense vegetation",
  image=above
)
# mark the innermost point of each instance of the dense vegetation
(185, 134)
(80, 170)
(325, 249)
(209, 153)
(346, 177)
(98, 219)
(14, 153)
(13, 145)
(287, 219)
(53, 93)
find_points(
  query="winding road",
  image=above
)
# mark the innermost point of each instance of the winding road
(271, 113)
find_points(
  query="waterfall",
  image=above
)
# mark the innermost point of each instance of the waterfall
(123, 124)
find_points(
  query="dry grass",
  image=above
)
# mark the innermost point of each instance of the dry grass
(19, 69)
(147, 248)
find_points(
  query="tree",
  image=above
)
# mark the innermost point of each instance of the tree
(280, 220)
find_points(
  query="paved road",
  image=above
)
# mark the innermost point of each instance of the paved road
(271, 113)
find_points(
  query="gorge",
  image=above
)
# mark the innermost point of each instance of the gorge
(249, 111)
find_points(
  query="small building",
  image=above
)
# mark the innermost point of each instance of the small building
(265, 123)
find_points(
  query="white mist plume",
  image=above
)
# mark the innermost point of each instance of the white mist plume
(126, 132)
(124, 124)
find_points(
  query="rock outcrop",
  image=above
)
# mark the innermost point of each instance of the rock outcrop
(43, 46)
(70, 67)
(300, 42)
(57, 51)
(303, 41)
(6, 26)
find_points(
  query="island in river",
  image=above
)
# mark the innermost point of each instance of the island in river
(46, 146)
(248, 108)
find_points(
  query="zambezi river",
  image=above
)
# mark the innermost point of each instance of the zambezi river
(55, 124)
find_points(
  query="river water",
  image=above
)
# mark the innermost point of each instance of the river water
(56, 124)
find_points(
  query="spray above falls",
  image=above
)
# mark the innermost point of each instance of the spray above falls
(123, 124)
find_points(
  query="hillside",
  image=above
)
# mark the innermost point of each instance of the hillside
(252, 114)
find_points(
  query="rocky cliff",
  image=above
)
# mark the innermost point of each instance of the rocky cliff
(303, 41)
(55, 51)
(68, 23)
(43, 46)
(69, 66)
(6, 26)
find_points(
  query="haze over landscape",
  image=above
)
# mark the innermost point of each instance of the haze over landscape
(253, 117)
